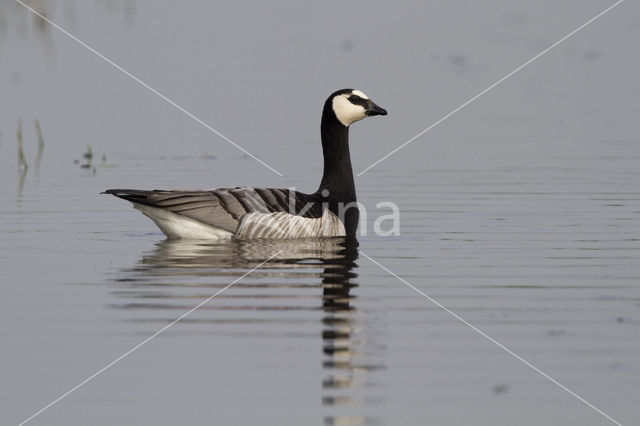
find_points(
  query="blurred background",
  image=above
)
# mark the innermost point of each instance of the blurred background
(260, 75)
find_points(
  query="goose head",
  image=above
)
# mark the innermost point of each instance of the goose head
(351, 105)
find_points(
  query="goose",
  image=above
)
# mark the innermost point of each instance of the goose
(250, 213)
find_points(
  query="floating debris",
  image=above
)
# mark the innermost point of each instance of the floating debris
(88, 153)
(88, 156)
(87, 161)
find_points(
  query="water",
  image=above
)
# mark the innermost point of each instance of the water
(519, 214)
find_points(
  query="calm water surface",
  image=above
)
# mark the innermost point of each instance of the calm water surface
(521, 214)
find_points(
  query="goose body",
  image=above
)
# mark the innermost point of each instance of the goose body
(246, 212)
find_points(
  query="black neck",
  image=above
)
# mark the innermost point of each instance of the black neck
(338, 174)
(337, 180)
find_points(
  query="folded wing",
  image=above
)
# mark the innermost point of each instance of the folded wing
(247, 212)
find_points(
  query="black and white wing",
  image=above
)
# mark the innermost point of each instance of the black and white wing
(244, 212)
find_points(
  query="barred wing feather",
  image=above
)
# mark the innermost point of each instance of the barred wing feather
(247, 212)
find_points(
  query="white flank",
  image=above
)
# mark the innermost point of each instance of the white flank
(177, 226)
(285, 225)
(347, 112)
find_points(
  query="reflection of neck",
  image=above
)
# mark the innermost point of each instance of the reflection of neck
(338, 321)
(336, 278)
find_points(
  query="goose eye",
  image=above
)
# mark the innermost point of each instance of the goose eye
(353, 98)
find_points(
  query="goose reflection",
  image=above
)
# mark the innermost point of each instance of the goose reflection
(177, 270)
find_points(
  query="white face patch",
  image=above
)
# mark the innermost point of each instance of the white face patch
(347, 112)
(359, 93)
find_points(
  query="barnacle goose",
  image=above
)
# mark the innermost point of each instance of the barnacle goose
(249, 213)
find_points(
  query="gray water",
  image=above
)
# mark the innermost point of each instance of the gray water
(520, 214)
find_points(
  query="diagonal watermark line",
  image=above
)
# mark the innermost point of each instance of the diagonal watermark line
(491, 87)
(139, 345)
(136, 79)
(500, 345)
